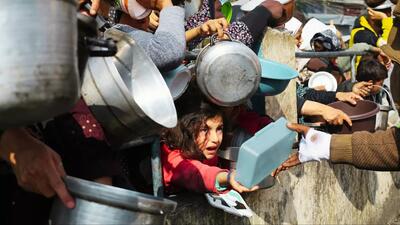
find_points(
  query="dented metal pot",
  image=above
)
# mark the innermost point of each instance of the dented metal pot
(227, 72)
(38, 61)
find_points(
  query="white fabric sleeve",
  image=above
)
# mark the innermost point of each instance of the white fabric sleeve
(314, 146)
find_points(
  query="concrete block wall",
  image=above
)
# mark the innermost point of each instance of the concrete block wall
(314, 193)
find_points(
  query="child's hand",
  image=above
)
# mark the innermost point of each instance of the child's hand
(214, 26)
(362, 88)
(237, 186)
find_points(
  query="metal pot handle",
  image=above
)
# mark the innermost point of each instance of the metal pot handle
(214, 39)
(101, 47)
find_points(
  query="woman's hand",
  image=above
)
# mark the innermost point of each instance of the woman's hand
(335, 116)
(349, 97)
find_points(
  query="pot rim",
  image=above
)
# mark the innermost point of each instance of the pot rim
(365, 115)
(118, 197)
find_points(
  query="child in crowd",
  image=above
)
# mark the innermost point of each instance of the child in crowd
(372, 71)
(189, 155)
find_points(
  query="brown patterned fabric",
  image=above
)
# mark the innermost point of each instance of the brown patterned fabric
(372, 151)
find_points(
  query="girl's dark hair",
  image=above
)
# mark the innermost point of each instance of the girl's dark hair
(184, 135)
(370, 69)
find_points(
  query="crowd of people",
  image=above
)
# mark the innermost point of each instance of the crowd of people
(75, 143)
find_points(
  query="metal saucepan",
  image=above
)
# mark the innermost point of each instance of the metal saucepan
(130, 103)
(102, 204)
(38, 62)
(227, 72)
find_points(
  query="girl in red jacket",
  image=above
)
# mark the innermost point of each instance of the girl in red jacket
(189, 155)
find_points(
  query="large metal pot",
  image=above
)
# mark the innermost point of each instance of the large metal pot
(129, 103)
(103, 204)
(38, 62)
(227, 72)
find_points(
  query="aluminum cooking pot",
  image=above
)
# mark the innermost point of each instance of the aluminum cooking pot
(102, 204)
(130, 103)
(227, 72)
(38, 62)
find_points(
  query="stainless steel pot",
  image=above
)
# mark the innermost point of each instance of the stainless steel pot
(103, 204)
(227, 72)
(38, 62)
(129, 103)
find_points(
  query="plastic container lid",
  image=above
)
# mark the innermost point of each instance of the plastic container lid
(264, 152)
(323, 79)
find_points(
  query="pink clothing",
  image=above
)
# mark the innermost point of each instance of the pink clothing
(199, 176)
(90, 126)
(181, 173)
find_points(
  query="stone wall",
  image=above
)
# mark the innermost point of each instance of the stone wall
(314, 193)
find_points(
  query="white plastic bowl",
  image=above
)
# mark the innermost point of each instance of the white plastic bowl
(323, 79)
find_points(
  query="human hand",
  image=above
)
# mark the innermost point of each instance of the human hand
(94, 7)
(314, 145)
(376, 15)
(384, 59)
(154, 20)
(214, 26)
(362, 88)
(237, 186)
(292, 161)
(37, 167)
(349, 97)
(335, 116)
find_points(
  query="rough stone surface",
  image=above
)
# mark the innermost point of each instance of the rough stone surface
(280, 47)
(316, 193)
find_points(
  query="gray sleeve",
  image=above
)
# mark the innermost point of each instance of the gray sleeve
(345, 62)
(166, 47)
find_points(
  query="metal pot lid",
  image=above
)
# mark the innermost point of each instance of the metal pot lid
(231, 73)
(118, 197)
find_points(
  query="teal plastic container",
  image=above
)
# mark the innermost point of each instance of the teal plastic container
(264, 152)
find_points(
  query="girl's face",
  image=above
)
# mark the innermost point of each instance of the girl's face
(210, 136)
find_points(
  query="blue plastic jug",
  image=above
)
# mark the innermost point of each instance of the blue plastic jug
(264, 152)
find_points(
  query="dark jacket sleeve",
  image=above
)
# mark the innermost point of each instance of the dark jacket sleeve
(324, 97)
(300, 103)
(371, 151)
(365, 36)
(257, 20)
